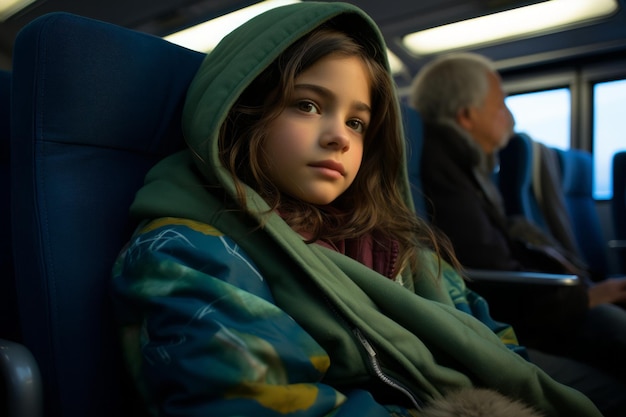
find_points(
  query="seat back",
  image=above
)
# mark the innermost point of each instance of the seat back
(532, 185)
(514, 180)
(618, 205)
(9, 324)
(577, 176)
(414, 137)
(94, 107)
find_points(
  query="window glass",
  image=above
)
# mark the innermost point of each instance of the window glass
(609, 102)
(543, 115)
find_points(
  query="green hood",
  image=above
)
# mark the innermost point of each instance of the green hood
(222, 77)
(428, 345)
(243, 55)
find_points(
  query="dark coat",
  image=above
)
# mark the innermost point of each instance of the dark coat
(464, 203)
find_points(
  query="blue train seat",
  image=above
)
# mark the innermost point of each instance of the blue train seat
(413, 131)
(577, 175)
(618, 208)
(530, 183)
(9, 324)
(514, 179)
(553, 189)
(94, 107)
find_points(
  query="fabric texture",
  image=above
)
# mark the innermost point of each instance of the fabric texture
(223, 317)
(546, 183)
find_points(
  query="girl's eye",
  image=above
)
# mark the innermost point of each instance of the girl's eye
(356, 125)
(307, 106)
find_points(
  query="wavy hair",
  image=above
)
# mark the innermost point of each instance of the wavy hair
(451, 83)
(374, 203)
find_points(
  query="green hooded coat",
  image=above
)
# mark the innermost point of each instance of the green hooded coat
(221, 317)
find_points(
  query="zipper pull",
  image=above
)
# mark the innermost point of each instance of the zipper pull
(366, 344)
(381, 375)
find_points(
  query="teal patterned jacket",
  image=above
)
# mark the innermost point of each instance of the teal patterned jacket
(203, 336)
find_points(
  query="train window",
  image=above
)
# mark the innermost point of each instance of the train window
(544, 115)
(609, 101)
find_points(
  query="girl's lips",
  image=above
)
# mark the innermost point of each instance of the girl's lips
(331, 165)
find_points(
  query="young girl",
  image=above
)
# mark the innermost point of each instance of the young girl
(279, 268)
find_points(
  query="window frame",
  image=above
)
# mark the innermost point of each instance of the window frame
(581, 80)
(590, 75)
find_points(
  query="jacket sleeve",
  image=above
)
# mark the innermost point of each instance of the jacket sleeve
(203, 337)
(472, 303)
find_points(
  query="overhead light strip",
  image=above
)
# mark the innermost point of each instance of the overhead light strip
(10, 7)
(205, 36)
(507, 25)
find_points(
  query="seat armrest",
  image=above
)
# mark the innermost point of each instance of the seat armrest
(520, 277)
(617, 244)
(22, 379)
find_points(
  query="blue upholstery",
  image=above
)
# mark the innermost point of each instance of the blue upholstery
(618, 206)
(576, 180)
(515, 180)
(9, 324)
(570, 217)
(414, 136)
(94, 107)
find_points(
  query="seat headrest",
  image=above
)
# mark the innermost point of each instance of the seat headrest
(104, 85)
(577, 169)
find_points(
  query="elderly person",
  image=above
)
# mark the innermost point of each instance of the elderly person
(466, 122)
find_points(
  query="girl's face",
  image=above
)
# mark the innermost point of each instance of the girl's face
(315, 146)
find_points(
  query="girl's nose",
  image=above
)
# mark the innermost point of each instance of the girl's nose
(335, 135)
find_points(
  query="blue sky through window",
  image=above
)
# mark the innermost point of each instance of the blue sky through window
(609, 104)
(544, 116)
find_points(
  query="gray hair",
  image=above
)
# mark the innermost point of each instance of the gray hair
(450, 83)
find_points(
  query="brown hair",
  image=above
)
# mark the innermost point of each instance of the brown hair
(374, 203)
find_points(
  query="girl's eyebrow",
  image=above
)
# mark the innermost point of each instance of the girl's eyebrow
(328, 94)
